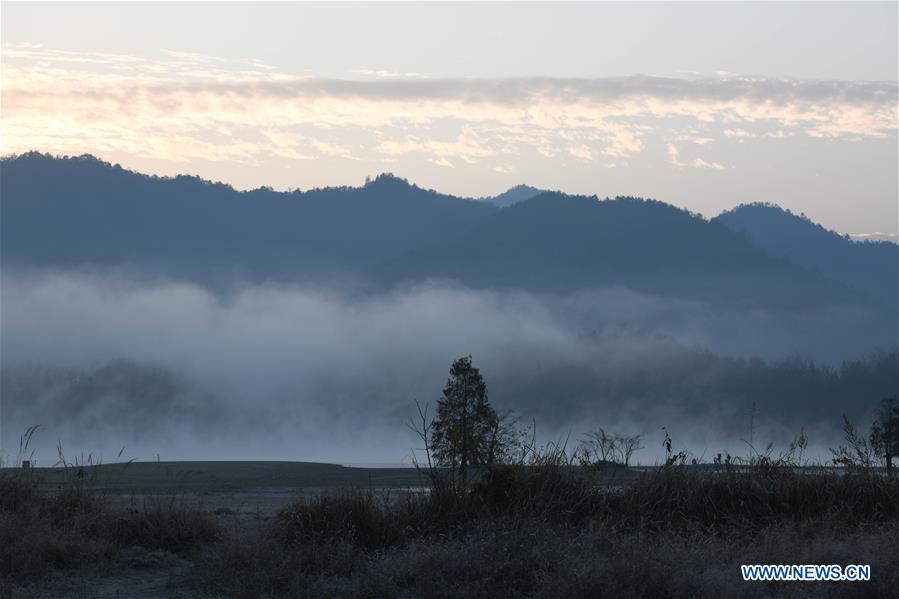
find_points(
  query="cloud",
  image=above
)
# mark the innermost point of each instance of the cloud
(285, 144)
(874, 236)
(468, 146)
(386, 73)
(547, 151)
(441, 162)
(333, 149)
(174, 106)
(623, 141)
(700, 163)
(673, 154)
(673, 158)
(315, 373)
(581, 151)
(738, 133)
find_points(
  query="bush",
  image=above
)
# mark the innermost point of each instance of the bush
(41, 532)
(162, 524)
(347, 516)
(672, 498)
(543, 530)
(752, 498)
(549, 492)
(44, 531)
(497, 557)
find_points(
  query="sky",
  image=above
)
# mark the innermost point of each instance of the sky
(702, 105)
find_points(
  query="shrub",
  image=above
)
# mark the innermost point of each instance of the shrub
(751, 498)
(346, 516)
(42, 531)
(162, 524)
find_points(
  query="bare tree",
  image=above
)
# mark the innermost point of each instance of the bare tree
(627, 446)
(421, 426)
(600, 447)
(857, 452)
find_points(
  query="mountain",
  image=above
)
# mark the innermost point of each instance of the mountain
(513, 195)
(869, 266)
(65, 212)
(70, 212)
(559, 243)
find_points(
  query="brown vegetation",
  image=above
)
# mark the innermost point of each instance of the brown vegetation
(546, 529)
(549, 531)
(45, 531)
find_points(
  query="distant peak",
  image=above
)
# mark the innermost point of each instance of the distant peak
(514, 195)
(762, 219)
(387, 180)
(762, 208)
(522, 187)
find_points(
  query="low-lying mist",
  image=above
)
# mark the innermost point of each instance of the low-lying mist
(103, 362)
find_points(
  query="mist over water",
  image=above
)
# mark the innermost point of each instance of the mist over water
(104, 361)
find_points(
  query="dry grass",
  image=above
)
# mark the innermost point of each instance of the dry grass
(672, 499)
(549, 531)
(546, 530)
(498, 558)
(730, 497)
(42, 532)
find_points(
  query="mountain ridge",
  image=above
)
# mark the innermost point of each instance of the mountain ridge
(513, 195)
(861, 264)
(62, 212)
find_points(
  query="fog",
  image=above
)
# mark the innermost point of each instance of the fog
(160, 367)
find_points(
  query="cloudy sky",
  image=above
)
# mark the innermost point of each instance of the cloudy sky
(700, 105)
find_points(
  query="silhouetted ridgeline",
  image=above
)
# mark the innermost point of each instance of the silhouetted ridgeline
(870, 266)
(82, 211)
(64, 212)
(559, 243)
(516, 194)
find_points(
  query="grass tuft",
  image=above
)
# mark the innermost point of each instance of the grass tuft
(42, 531)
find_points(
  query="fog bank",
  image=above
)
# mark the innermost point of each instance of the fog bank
(315, 373)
